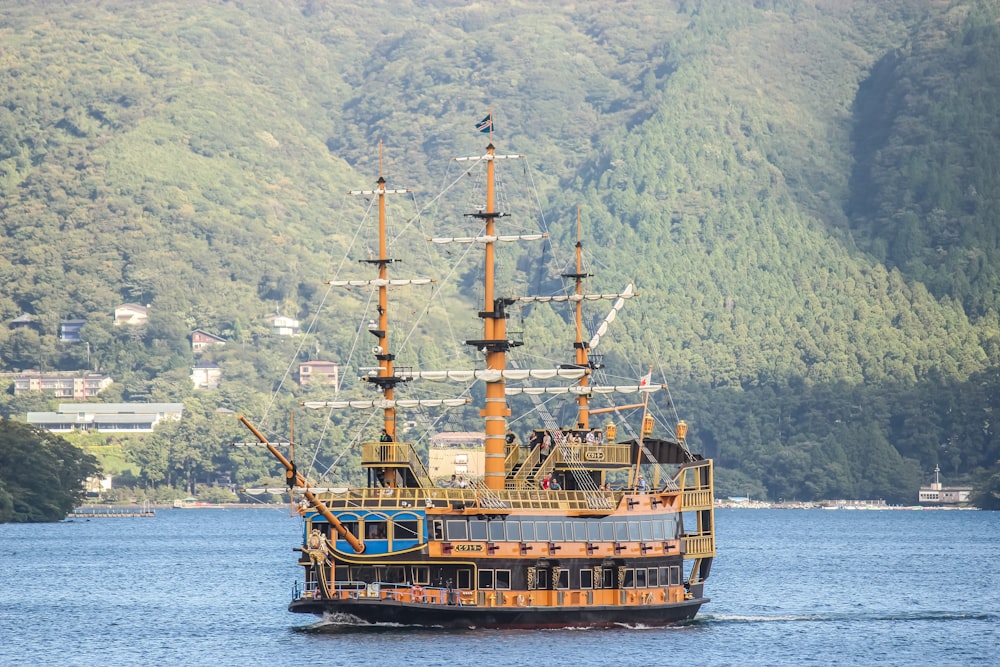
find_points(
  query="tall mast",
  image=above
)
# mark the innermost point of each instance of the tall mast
(386, 378)
(494, 329)
(494, 342)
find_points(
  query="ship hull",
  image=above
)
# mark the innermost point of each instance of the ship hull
(461, 616)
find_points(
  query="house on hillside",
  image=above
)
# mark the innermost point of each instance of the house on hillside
(202, 339)
(77, 386)
(69, 330)
(131, 314)
(206, 375)
(282, 325)
(319, 373)
(25, 321)
(106, 417)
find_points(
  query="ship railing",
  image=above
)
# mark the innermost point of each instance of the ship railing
(522, 479)
(470, 497)
(399, 592)
(581, 475)
(395, 454)
(696, 482)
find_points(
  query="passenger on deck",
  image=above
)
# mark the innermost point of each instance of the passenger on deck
(554, 484)
(642, 487)
(546, 444)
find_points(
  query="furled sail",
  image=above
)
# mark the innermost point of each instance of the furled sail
(585, 390)
(488, 239)
(491, 375)
(618, 305)
(379, 282)
(383, 403)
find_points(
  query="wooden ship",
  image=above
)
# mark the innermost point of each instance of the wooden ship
(514, 549)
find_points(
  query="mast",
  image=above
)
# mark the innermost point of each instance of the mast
(494, 317)
(582, 347)
(386, 378)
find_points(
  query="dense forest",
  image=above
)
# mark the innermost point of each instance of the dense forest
(802, 191)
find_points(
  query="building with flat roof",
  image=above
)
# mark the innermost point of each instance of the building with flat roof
(106, 417)
(78, 386)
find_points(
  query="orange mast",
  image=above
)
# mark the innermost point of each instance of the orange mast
(495, 341)
(386, 378)
(582, 347)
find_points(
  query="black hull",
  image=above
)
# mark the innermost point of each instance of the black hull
(459, 616)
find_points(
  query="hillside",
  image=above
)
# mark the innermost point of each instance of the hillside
(750, 166)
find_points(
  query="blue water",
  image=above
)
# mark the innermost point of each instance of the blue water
(789, 587)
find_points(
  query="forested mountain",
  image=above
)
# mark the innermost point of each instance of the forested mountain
(803, 192)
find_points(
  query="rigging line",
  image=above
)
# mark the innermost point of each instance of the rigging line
(444, 280)
(312, 323)
(447, 188)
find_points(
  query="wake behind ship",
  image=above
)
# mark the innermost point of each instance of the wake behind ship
(542, 540)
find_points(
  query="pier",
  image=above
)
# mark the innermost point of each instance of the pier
(111, 512)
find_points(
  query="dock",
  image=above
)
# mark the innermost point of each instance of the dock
(111, 512)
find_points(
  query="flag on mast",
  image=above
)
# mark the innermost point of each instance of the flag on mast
(486, 124)
(646, 379)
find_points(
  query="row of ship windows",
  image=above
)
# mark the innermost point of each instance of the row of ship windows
(580, 530)
(501, 579)
(643, 577)
(480, 530)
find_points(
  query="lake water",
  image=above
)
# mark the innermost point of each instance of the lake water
(789, 587)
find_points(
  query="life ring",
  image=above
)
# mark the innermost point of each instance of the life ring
(417, 593)
(520, 600)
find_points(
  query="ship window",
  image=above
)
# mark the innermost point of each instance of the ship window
(542, 531)
(528, 531)
(594, 531)
(404, 530)
(486, 579)
(350, 526)
(563, 579)
(647, 530)
(568, 531)
(675, 576)
(658, 531)
(458, 531)
(621, 531)
(580, 531)
(497, 532)
(608, 531)
(421, 574)
(502, 580)
(670, 528)
(586, 578)
(340, 574)
(437, 530)
(629, 578)
(477, 530)
(542, 580)
(640, 577)
(395, 574)
(375, 530)
(651, 579)
(664, 576)
(608, 578)
(465, 578)
(633, 531)
(513, 531)
(363, 573)
(555, 528)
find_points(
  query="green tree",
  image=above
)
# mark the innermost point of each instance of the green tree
(42, 476)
